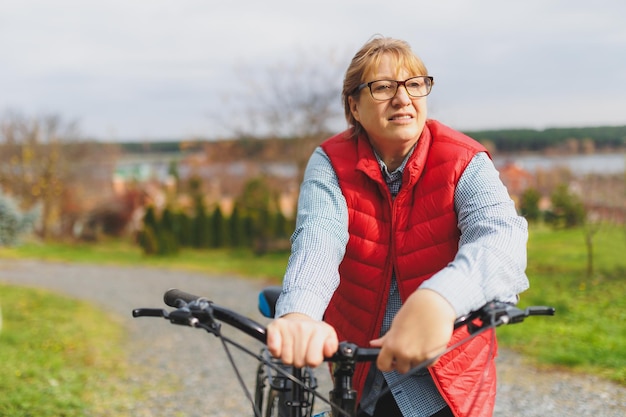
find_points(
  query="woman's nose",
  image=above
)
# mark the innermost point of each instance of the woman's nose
(402, 96)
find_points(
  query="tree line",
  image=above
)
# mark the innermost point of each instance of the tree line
(255, 222)
(520, 140)
(504, 140)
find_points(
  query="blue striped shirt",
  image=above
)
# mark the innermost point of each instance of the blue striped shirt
(489, 265)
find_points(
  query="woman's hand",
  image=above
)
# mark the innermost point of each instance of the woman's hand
(299, 340)
(420, 331)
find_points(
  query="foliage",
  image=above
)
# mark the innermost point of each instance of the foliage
(568, 209)
(255, 221)
(516, 140)
(44, 163)
(529, 204)
(503, 140)
(13, 222)
(200, 238)
(236, 228)
(255, 202)
(219, 236)
(159, 235)
(184, 228)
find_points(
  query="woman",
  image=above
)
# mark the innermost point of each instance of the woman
(403, 224)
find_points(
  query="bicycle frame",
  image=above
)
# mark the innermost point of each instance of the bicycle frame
(195, 311)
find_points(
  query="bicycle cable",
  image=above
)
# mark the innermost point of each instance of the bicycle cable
(199, 313)
(184, 315)
(428, 362)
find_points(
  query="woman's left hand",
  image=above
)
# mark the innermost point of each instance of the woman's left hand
(421, 330)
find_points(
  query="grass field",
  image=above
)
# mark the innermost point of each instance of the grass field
(118, 252)
(54, 360)
(588, 333)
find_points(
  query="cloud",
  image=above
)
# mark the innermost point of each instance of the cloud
(157, 68)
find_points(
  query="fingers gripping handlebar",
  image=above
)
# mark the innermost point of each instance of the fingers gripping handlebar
(193, 310)
(506, 312)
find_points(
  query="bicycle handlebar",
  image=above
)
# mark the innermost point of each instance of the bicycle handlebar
(181, 299)
(192, 310)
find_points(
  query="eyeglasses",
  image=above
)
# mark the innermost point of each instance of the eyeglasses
(386, 89)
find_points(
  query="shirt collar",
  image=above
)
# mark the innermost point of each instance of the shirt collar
(400, 169)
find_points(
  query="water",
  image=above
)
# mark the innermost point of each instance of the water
(610, 163)
(157, 165)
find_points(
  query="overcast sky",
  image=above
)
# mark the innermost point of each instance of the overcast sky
(159, 69)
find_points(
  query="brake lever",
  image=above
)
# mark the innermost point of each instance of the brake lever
(491, 314)
(497, 313)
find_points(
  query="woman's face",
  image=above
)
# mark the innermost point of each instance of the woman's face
(399, 120)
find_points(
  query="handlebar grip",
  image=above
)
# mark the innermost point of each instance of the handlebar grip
(172, 296)
(541, 311)
(149, 312)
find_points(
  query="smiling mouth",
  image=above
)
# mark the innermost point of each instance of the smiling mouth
(402, 117)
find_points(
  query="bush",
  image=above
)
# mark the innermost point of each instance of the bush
(13, 222)
(158, 236)
(255, 222)
(529, 205)
(567, 209)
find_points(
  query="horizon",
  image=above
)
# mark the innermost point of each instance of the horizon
(468, 132)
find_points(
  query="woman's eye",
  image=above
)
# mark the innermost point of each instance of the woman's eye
(383, 87)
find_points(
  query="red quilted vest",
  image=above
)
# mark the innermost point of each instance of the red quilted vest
(416, 235)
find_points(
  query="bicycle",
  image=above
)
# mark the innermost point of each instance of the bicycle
(285, 391)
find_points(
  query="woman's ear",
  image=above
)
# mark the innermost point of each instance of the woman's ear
(354, 108)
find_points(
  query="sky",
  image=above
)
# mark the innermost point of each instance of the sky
(165, 69)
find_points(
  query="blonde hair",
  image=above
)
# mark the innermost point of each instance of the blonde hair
(366, 60)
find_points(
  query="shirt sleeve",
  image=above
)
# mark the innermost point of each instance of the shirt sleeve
(318, 242)
(491, 261)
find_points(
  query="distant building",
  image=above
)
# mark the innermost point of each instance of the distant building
(516, 179)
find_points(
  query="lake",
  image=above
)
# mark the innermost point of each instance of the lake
(609, 163)
(144, 166)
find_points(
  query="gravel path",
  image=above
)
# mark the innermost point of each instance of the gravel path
(184, 372)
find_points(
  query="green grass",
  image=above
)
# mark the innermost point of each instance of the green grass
(588, 332)
(241, 262)
(58, 357)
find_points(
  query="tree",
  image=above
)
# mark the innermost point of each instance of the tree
(603, 199)
(44, 162)
(201, 226)
(256, 203)
(148, 235)
(159, 234)
(529, 204)
(219, 235)
(567, 208)
(236, 228)
(298, 99)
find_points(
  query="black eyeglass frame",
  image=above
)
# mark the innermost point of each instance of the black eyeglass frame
(430, 82)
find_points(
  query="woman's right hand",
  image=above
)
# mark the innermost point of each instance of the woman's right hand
(298, 340)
